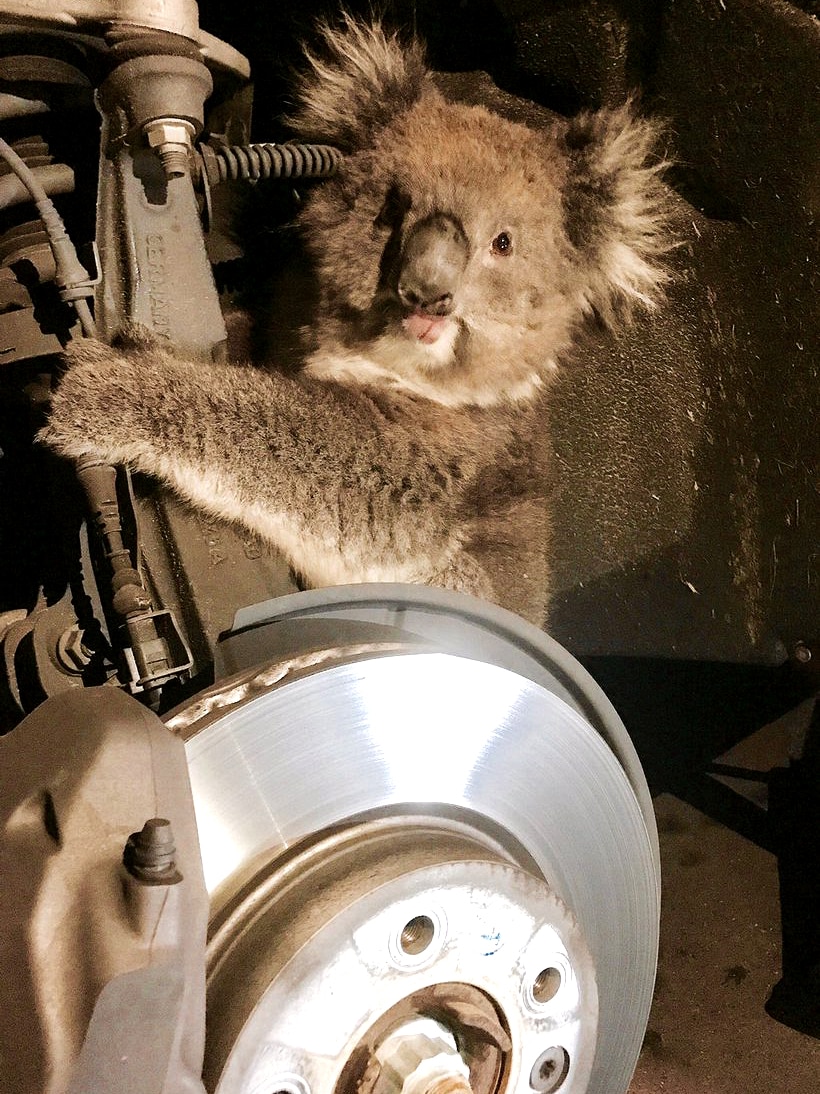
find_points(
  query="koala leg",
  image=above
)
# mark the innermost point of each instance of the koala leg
(346, 492)
(463, 574)
(513, 546)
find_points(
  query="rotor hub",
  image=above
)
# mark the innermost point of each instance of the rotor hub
(417, 960)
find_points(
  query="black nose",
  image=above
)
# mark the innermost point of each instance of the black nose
(432, 264)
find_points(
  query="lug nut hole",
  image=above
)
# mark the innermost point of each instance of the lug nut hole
(417, 935)
(546, 984)
(550, 1070)
(289, 1084)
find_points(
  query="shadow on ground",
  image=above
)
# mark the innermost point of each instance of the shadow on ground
(685, 717)
(732, 758)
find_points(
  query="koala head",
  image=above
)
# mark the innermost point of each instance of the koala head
(457, 250)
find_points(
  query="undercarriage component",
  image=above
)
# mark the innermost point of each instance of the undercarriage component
(88, 19)
(392, 923)
(404, 796)
(110, 98)
(263, 161)
(101, 960)
(154, 650)
(152, 104)
(427, 847)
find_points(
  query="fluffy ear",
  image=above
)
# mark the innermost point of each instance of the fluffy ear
(358, 82)
(617, 210)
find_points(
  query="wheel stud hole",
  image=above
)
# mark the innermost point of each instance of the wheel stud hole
(289, 1084)
(417, 935)
(550, 1070)
(546, 984)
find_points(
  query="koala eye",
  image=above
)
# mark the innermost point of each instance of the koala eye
(502, 244)
(394, 208)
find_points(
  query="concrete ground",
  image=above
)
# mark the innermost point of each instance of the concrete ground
(708, 737)
(720, 958)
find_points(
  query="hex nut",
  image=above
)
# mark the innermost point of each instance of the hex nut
(72, 655)
(168, 131)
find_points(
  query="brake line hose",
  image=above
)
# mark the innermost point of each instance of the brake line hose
(73, 283)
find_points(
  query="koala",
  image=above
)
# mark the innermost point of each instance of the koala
(456, 256)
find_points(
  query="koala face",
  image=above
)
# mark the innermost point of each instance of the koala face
(447, 249)
(445, 239)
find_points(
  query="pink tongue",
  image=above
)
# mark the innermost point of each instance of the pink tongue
(426, 328)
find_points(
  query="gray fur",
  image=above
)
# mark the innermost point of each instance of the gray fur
(412, 445)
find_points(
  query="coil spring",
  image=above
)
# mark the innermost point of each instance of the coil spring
(266, 161)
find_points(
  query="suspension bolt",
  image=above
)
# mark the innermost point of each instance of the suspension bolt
(171, 138)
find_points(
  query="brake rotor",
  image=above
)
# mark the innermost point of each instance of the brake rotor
(418, 809)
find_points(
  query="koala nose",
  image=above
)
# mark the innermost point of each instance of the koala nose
(432, 264)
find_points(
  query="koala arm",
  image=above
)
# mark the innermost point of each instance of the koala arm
(313, 467)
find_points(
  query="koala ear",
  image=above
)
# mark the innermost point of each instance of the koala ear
(359, 81)
(617, 211)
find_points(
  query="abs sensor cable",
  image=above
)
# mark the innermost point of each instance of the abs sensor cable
(73, 282)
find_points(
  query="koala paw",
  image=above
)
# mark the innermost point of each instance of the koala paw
(98, 390)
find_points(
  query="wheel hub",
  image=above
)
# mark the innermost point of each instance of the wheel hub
(416, 958)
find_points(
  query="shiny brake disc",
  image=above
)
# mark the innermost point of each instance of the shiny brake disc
(431, 854)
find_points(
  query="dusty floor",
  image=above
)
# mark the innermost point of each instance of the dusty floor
(721, 937)
(720, 957)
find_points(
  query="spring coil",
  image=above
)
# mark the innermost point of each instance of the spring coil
(270, 161)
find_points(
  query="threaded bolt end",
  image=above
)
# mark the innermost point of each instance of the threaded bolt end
(150, 855)
(175, 160)
(171, 139)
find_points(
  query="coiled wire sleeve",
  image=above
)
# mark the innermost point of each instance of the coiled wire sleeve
(269, 161)
(233, 162)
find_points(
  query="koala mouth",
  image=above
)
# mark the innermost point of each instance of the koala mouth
(425, 328)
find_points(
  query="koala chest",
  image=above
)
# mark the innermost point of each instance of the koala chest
(490, 456)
